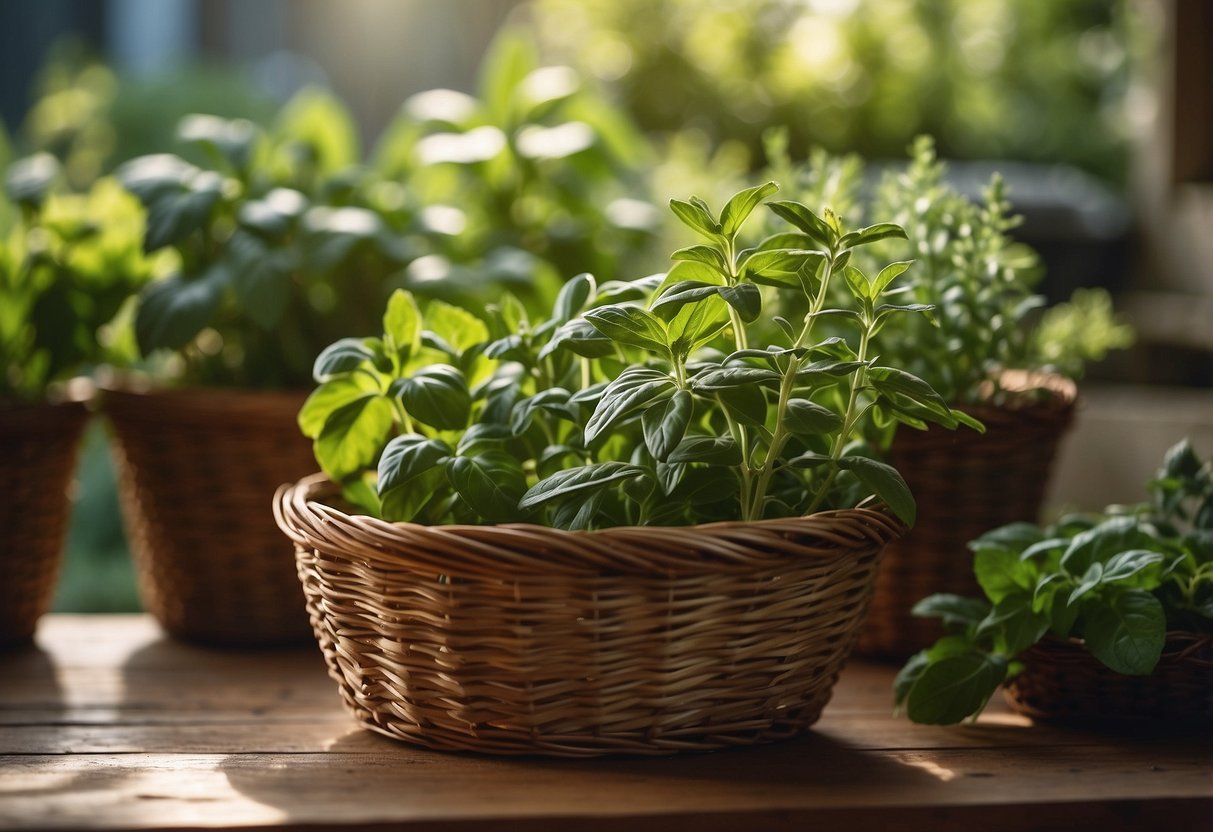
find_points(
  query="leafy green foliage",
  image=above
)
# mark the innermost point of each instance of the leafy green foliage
(68, 264)
(980, 282)
(637, 402)
(1118, 582)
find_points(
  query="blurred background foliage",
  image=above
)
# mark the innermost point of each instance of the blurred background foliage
(550, 150)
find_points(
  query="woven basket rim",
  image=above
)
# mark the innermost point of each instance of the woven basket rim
(1062, 390)
(727, 546)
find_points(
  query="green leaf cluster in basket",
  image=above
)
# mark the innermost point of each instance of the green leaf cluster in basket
(981, 280)
(68, 264)
(288, 239)
(641, 402)
(1117, 581)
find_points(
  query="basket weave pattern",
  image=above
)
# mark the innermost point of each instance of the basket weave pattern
(196, 472)
(966, 483)
(520, 639)
(1061, 681)
(38, 445)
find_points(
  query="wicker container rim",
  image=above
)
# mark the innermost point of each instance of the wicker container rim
(258, 406)
(519, 549)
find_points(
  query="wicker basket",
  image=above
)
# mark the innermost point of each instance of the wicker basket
(1061, 681)
(966, 483)
(197, 470)
(521, 639)
(38, 445)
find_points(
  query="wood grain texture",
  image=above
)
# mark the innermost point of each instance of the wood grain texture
(108, 726)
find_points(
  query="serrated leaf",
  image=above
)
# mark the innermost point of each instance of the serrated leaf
(886, 482)
(353, 436)
(664, 425)
(741, 205)
(580, 481)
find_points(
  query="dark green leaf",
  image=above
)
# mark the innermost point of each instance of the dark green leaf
(325, 399)
(805, 220)
(1126, 631)
(665, 425)
(406, 457)
(955, 687)
(695, 217)
(492, 483)
(885, 481)
(952, 609)
(635, 388)
(1014, 537)
(804, 418)
(1014, 624)
(29, 180)
(747, 403)
(1000, 573)
(579, 481)
(680, 294)
(880, 231)
(172, 311)
(724, 378)
(341, 357)
(745, 298)
(573, 297)
(579, 337)
(712, 450)
(908, 675)
(1116, 534)
(173, 216)
(630, 325)
(437, 395)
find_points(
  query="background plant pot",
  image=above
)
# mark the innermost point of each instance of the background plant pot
(527, 640)
(966, 483)
(38, 445)
(1062, 681)
(197, 470)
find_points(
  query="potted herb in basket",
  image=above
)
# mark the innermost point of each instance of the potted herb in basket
(1092, 618)
(67, 265)
(269, 229)
(990, 352)
(622, 528)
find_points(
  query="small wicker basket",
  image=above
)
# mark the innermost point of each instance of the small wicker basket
(520, 639)
(966, 483)
(1061, 681)
(196, 469)
(38, 446)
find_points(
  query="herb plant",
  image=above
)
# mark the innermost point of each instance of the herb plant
(68, 264)
(1118, 582)
(641, 402)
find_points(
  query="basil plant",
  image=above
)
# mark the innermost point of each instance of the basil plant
(636, 402)
(1117, 581)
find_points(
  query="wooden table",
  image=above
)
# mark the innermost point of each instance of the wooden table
(107, 725)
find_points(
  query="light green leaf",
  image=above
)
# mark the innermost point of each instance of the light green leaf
(341, 357)
(402, 324)
(1126, 631)
(741, 205)
(323, 401)
(353, 436)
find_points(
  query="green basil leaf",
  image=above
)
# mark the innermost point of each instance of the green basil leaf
(633, 389)
(402, 324)
(806, 418)
(456, 326)
(405, 503)
(741, 205)
(712, 450)
(353, 435)
(1000, 572)
(695, 324)
(1133, 568)
(323, 401)
(341, 357)
(707, 255)
(885, 481)
(677, 295)
(437, 395)
(407, 456)
(1126, 631)
(952, 609)
(1013, 624)
(573, 297)
(696, 217)
(172, 311)
(805, 220)
(747, 403)
(908, 675)
(825, 373)
(745, 298)
(1117, 534)
(492, 483)
(579, 337)
(888, 274)
(725, 378)
(579, 481)
(174, 215)
(955, 687)
(1014, 537)
(880, 231)
(781, 268)
(630, 325)
(892, 380)
(665, 425)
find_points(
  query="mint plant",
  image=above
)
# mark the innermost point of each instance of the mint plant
(632, 402)
(68, 264)
(1117, 581)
